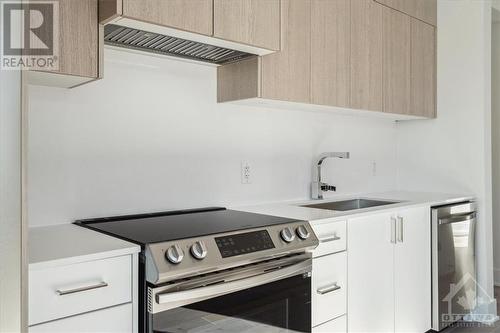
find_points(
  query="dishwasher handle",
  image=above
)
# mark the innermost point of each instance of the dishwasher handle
(458, 218)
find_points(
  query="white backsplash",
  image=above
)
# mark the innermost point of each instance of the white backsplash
(150, 137)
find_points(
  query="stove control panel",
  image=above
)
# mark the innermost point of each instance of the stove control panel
(178, 259)
(244, 243)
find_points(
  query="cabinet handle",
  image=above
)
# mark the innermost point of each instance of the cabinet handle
(400, 229)
(329, 239)
(393, 230)
(62, 292)
(328, 289)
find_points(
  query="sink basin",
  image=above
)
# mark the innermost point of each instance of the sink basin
(352, 204)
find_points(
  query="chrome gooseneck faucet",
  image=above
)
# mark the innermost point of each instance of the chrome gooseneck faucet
(318, 187)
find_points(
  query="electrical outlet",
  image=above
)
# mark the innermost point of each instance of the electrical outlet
(246, 173)
(374, 169)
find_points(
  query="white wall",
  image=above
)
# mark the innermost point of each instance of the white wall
(453, 152)
(495, 130)
(150, 136)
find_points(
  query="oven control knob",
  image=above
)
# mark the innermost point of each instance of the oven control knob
(287, 235)
(174, 254)
(199, 250)
(302, 232)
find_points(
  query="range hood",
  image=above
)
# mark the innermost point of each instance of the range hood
(132, 33)
(121, 36)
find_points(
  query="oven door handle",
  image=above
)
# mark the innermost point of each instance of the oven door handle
(236, 285)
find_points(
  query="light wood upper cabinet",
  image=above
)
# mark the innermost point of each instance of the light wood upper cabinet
(253, 22)
(191, 15)
(286, 75)
(330, 53)
(424, 10)
(366, 64)
(396, 61)
(78, 46)
(359, 54)
(423, 69)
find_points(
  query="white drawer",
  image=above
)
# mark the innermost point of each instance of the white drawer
(117, 319)
(63, 291)
(337, 325)
(332, 238)
(329, 286)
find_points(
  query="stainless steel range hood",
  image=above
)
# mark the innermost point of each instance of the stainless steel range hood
(138, 39)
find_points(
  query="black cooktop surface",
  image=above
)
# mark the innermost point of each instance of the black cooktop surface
(166, 226)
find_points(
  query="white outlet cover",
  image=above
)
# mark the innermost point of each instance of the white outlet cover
(246, 173)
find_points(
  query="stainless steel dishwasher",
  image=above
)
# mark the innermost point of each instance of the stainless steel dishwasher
(453, 262)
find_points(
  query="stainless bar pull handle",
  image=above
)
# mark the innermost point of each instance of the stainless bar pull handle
(329, 239)
(458, 218)
(62, 292)
(400, 229)
(328, 289)
(393, 230)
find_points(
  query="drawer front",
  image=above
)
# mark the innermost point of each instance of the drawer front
(63, 291)
(332, 238)
(337, 325)
(329, 286)
(117, 319)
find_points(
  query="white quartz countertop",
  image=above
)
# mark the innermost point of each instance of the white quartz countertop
(67, 244)
(295, 209)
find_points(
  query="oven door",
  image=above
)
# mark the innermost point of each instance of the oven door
(274, 296)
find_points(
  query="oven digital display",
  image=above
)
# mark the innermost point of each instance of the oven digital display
(244, 243)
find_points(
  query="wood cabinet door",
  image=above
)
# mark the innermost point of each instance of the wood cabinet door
(425, 10)
(330, 40)
(78, 38)
(412, 275)
(423, 69)
(190, 15)
(286, 75)
(252, 22)
(396, 61)
(370, 274)
(366, 91)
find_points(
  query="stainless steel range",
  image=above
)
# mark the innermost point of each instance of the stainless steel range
(219, 270)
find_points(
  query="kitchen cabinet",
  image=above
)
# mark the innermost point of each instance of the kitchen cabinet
(337, 325)
(330, 60)
(424, 10)
(78, 46)
(423, 69)
(115, 319)
(193, 15)
(396, 61)
(251, 26)
(366, 55)
(284, 75)
(412, 271)
(389, 275)
(361, 55)
(254, 22)
(329, 288)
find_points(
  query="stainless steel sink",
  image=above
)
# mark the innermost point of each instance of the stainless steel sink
(352, 204)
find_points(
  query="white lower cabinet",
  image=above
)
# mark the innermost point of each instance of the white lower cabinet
(389, 274)
(90, 296)
(337, 325)
(329, 287)
(116, 319)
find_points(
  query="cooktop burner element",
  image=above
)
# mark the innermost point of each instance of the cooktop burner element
(179, 244)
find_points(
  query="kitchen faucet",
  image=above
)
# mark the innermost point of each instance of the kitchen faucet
(318, 187)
